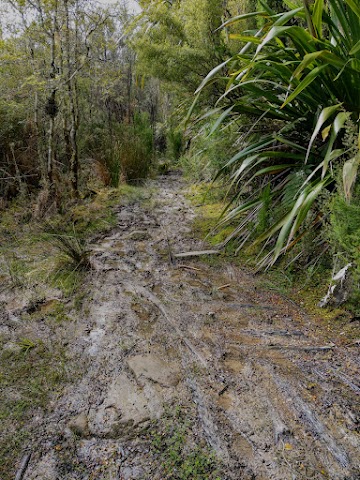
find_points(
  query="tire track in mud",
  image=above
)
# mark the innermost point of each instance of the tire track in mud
(163, 332)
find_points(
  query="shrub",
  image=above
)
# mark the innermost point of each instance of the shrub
(125, 150)
(299, 84)
(136, 149)
(175, 144)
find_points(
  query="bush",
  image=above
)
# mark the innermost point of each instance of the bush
(344, 237)
(175, 144)
(296, 79)
(208, 152)
(124, 149)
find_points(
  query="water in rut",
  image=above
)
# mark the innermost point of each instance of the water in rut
(269, 390)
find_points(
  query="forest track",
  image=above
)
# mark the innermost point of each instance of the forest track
(273, 394)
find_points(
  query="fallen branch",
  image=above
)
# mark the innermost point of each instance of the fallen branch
(224, 286)
(197, 253)
(23, 466)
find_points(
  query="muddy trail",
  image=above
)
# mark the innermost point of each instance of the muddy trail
(262, 384)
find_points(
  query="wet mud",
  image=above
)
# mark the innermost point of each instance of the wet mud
(269, 390)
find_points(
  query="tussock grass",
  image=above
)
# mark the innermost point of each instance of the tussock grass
(55, 252)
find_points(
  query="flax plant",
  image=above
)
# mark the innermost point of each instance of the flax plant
(297, 76)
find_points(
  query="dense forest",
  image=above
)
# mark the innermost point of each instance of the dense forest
(96, 93)
(118, 121)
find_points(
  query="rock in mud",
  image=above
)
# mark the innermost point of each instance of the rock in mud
(124, 407)
(79, 425)
(155, 369)
(138, 235)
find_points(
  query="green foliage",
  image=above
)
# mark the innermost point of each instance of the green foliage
(17, 135)
(136, 149)
(345, 221)
(208, 151)
(30, 372)
(125, 153)
(179, 459)
(69, 54)
(176, 42)
(275, 80)
(15, 270)
(264, 211)
(175, 144)
(26, 344)
(344, 236)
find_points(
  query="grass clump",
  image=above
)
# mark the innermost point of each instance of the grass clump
(31, 372)
(55, 252)
(180, 455)
(72, 248)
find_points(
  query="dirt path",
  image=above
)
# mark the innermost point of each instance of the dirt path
(275, 396)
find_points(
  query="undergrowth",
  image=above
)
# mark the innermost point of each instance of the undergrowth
(180, 454)
(55, 252)
(31, 372)
(305, 285)
(125, 151)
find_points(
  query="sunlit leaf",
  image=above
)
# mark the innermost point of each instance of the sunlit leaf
(350, 170)
(305, 83)
(325, 114)
(325, 132)
(355, 49)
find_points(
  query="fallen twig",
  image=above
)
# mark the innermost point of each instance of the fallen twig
(306, 348)
(197, 253)
(222, 391)
(281, 333)
(224, 286)
(187, 267)
(23, 466)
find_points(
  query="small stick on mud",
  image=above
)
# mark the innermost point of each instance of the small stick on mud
(306, 348)
(223, 390)
(197, 253)
(187, 267)
(170, 253)
(224, 286)
(23, 466)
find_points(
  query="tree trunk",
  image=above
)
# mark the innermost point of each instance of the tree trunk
(73, 104)
(52, 109)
